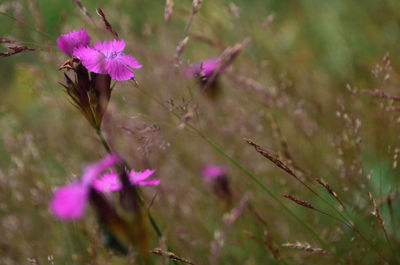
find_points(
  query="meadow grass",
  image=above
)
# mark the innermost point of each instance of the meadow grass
(302, 113)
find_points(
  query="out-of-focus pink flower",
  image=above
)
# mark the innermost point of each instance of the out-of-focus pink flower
(217, 176)
(75, 39)
(69, 202)
(108, 58)
(110, 182)
(203, 69)
(211, 172)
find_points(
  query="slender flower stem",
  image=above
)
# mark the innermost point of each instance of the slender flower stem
(103, 141)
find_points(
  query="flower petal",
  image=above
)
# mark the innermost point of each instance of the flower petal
(205, 68)
(154, 182)
(107, 183)
(69, 202)
(135, 177)
(93, 60)
(130, 61)
(117, 45)
(68, 42)
(118, 70)
(109, 47)
(93, 171)
(212, 172)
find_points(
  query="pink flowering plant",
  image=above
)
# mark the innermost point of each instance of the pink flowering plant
(108, 58)
(89, 88)
(94, 67)
(72, 40)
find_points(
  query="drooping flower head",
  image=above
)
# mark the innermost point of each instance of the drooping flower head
(203, 70)
(206, 73)
(69, 202)
(217, 176)
(110, 182)
(75, 39)
(108, 58)
(211, 172)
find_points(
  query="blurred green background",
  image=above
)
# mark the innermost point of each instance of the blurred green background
(304, 58)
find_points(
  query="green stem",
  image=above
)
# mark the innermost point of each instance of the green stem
(103, 141)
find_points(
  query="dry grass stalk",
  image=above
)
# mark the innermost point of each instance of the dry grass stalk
(235, 10)
(306, 247)
(33, 261)
(106, 23)
(378, 216)
(170, 255)
(231, 53)
(207, 40)
(268, 241)
(253, 86)
(272, 157)
(51, 260)
(281, 138)
(300, 202)
(196, 5)
(268, 21)
(380, 94)
(15, 50)
(37, 16)
(234, 214)
(258, 216)
(285, 149)
(226, 59)
(4, 40)
(169, 7)
(83, 9)
(179, 50)
(330, 191)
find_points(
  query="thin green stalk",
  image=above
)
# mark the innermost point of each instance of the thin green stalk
(103, 141)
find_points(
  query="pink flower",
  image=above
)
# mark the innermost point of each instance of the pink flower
(203, 69)
(68, 42)
(211, 172)
(108, 58)
(69, 202)
(110, 182)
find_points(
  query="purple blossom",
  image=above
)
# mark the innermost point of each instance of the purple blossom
(211, 172)
(75, 39)
(69, 202)
(110, 182)
(203, 69)
(108, 58)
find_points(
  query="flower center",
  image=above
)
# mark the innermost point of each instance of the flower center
(114, 54)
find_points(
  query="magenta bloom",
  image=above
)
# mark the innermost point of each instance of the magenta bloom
(108, 58)
(211, 172)
(68, 42)
(110, 182)
(203, 69)
(69, 202)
